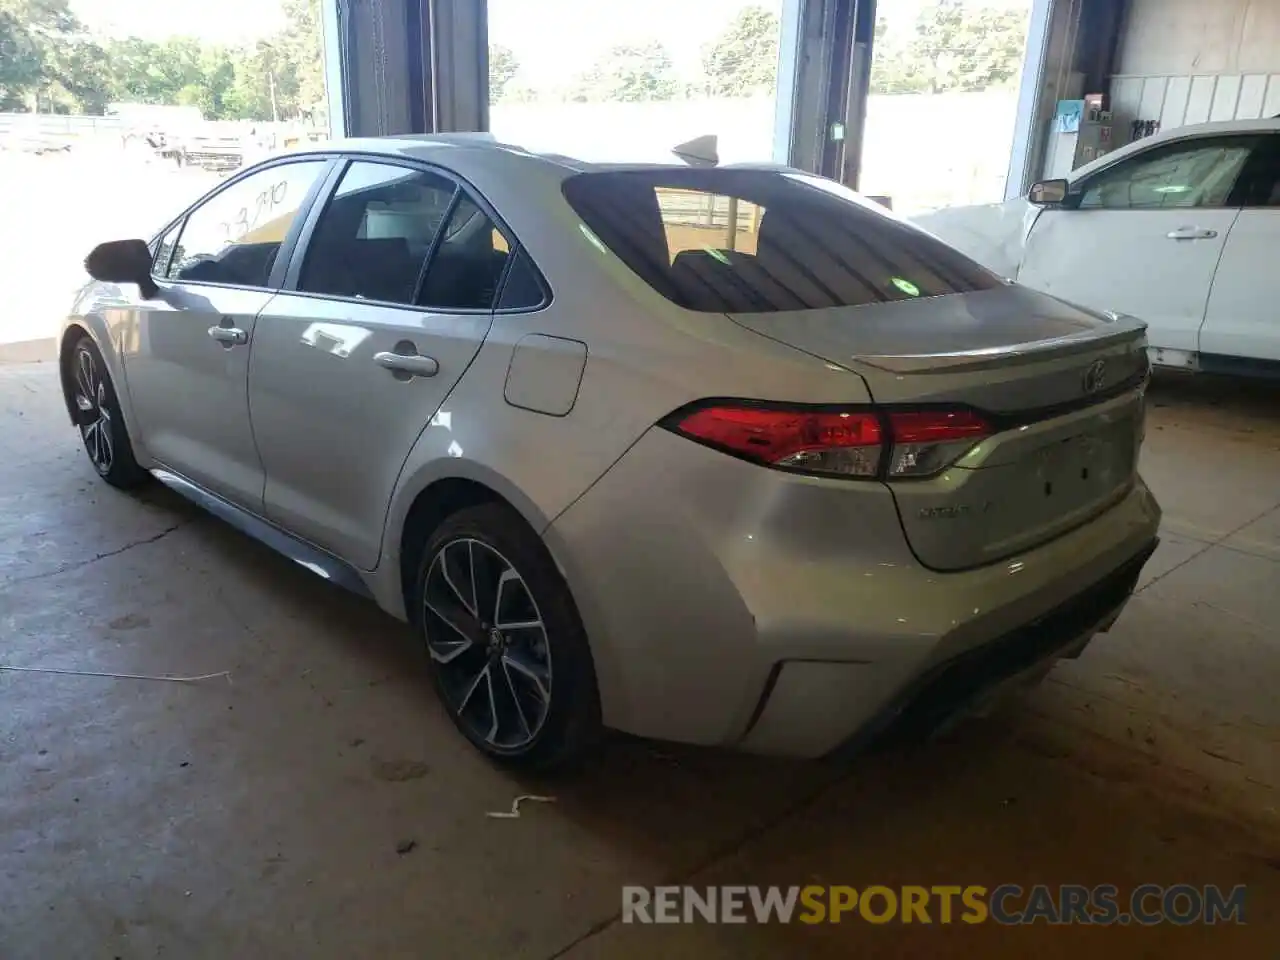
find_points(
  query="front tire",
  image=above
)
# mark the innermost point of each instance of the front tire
(97, 409)
(508, 652)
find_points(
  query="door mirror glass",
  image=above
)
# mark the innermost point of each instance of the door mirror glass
(122, 261)
(1048, 193)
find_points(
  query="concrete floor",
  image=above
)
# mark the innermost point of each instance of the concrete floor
(260, 814)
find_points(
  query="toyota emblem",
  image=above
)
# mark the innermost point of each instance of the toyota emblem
(1095, 378)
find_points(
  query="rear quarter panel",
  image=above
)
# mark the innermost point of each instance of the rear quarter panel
(645, 358)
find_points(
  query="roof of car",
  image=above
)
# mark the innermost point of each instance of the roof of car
(1216, 128)
(464, 149)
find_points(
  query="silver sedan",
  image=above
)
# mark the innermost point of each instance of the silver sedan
(723, 455)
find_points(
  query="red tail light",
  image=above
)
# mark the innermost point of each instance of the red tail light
(926, 441)
(850, 443)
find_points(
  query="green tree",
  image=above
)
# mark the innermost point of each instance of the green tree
(630, 74)
(893, 69)
(21, 60)
(503, 66)
(300, 48)
(744, 59)
(47, 59)
(962, 47)
(265, 85)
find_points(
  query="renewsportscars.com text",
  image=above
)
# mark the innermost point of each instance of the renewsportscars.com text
(1010, 904)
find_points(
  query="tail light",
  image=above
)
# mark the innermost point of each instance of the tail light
(926, 441)
(857, 442)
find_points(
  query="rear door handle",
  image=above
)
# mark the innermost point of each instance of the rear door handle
(1191, 233)
(414, 364)
(229, 336)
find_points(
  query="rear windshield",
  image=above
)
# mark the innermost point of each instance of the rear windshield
(757, 241)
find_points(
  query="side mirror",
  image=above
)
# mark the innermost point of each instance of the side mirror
(1048, 193)
(122, 261)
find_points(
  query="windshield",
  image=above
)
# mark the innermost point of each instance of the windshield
(763, 241)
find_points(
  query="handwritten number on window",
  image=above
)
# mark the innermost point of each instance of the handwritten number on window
(238, 228)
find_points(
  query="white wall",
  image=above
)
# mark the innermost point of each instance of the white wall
(1189, 61)
(1201, 38)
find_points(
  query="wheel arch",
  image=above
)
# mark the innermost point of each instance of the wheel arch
(438, 497)
(71, 335)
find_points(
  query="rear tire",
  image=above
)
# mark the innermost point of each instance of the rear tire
(98, 417)
(509, 655)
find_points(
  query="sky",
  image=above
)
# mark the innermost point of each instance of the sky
(553, 40)
(218, 21)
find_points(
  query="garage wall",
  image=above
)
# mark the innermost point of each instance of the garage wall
(1188, 61)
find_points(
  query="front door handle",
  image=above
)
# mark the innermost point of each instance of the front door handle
(414, 364)
(1191, 233)
(229, 336)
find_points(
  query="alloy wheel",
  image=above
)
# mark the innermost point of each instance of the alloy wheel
(95, 413)
(489, 643)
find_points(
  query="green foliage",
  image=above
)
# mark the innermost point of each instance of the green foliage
(955, 46)
(48, 62)
(744, 60)
(503, 66)
(630, 74)
(47, 59)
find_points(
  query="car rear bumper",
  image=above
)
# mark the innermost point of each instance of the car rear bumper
(735, 605)
(947, 690)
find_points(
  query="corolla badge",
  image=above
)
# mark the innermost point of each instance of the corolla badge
(1095, 378)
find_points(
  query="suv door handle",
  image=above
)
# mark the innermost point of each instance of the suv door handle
(229, 336)
(1191, 233)
(414, 364)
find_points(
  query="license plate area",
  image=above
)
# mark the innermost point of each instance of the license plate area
(1085, 467)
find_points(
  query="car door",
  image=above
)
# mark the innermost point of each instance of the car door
(1243, 319)
(187, 361)
(388, 300)
(1143, 236)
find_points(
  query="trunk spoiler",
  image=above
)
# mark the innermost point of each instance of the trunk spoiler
(1084, 342)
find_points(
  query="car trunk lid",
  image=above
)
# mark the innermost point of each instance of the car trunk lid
(1061, 390)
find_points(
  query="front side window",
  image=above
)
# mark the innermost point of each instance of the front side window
(374, 236)
(1198, 174)
(235, 236)
(756, 241)
(164, 251)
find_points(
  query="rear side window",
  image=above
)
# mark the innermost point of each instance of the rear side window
(522, 289)
(398, 235)
(754, 241)
(374, 236)
(468, 263)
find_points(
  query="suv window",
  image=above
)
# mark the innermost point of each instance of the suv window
(375, 233)
(235, 235)
(763, 241)
(1197, 174)
(1259, 184)
(466, 268)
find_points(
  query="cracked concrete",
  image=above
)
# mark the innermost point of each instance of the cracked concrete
(76, 565)
(317, 803)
